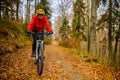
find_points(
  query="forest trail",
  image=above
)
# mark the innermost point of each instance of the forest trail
(59, 65)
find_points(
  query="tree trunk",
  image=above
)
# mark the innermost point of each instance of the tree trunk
(116, 40)
(11, 10)
(6, 12)
(28, 11)
(119, 51)
(110, 31)
(35, 6)
(0, 8)
(93, 44)
(89, 13)
(17, 10)
(115, 50)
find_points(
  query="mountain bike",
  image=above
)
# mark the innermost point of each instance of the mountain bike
(39, 52)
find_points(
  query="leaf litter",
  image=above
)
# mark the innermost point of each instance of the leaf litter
(59, 65)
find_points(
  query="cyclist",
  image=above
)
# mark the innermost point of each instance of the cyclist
(37, 24)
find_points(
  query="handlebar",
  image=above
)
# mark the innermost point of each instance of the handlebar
(46, 33)
(32, 32)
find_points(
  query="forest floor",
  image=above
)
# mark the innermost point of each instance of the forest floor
(59, 65)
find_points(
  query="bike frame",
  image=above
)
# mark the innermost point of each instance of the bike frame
(39, 44)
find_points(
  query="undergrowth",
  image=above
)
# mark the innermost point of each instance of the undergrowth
(75, 48)
(12, 36)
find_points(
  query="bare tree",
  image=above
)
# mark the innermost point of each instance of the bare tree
(35, 6)
(17, 9)
(28, 11)
(63, 9)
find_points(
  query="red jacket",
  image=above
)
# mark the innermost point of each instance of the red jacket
(39, 25)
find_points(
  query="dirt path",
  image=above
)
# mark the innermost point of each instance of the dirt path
(20, 66)
(59, 65)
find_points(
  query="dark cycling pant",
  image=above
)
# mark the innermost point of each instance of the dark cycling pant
(35, 38)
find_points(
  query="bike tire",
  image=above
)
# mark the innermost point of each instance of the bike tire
(40, 67)
(40, 62)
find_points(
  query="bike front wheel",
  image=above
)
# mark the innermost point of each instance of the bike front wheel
(40, 66)
(40, 61)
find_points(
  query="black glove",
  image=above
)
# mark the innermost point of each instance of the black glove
(30, 32)
(49, 33)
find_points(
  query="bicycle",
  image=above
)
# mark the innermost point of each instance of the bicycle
(39, 52)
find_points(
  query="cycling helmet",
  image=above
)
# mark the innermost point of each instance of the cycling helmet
(40, 11)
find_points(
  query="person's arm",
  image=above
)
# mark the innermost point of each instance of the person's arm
(31, 24)
(29, 32)
(47, 24)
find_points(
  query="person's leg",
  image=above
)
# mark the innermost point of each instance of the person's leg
(34, 45)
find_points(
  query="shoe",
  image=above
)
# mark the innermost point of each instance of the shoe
(44, 57)
(33, 55)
